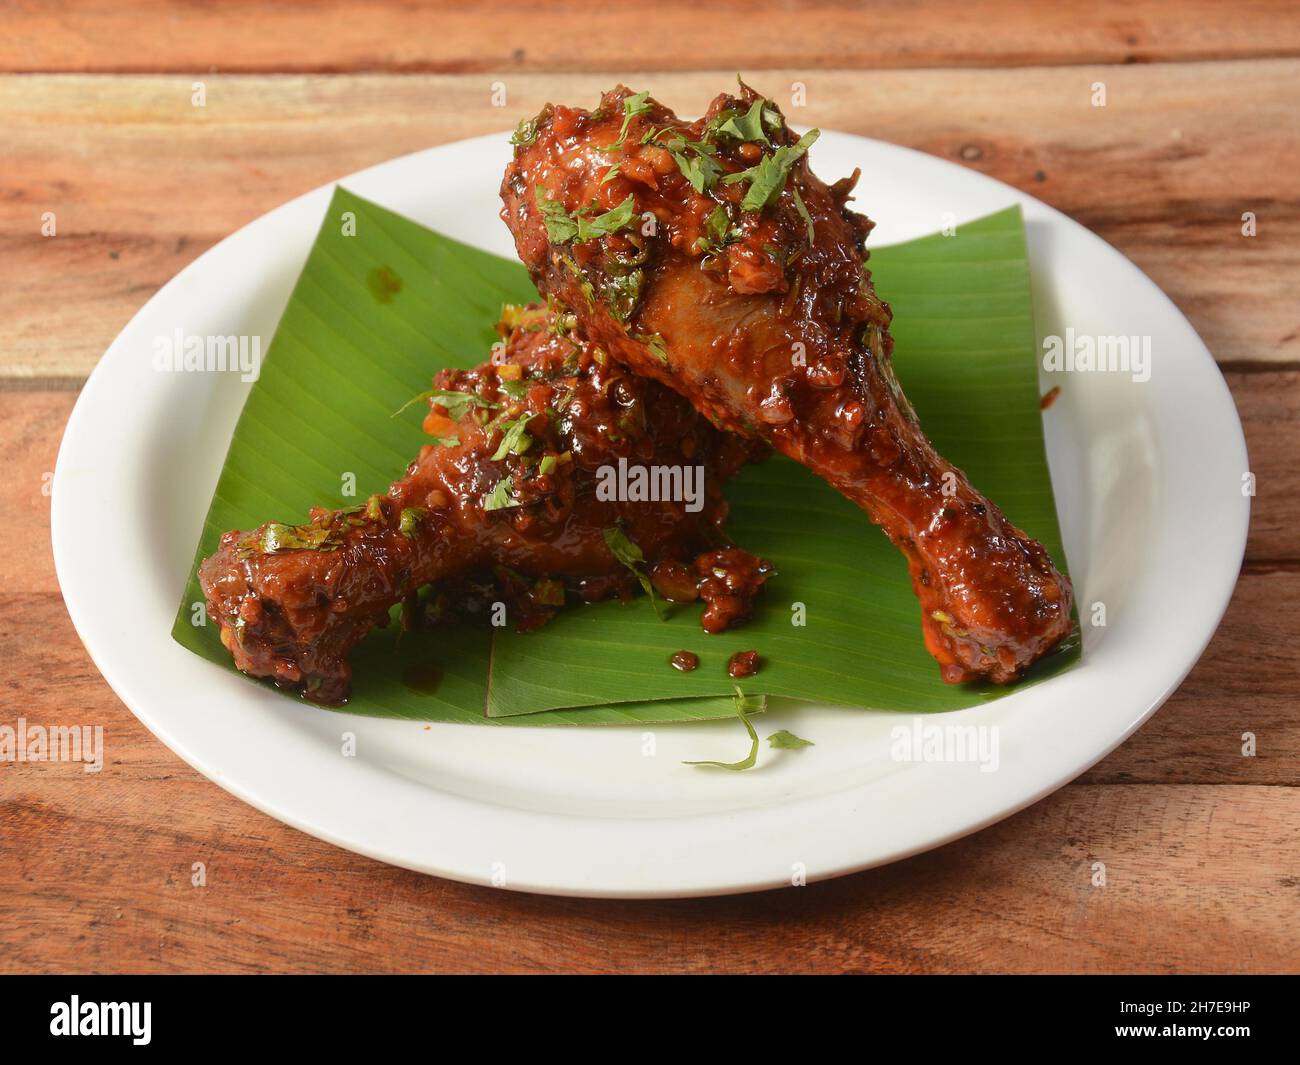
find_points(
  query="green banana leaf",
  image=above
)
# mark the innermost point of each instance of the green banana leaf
(383, 304)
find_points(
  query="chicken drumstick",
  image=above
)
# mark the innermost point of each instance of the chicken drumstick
(506, 495)
(708, 256)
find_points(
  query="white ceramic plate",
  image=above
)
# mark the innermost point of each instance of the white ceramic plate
(1148, 482)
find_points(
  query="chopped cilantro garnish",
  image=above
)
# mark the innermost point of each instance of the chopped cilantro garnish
(277, 536)
(717, 223)
(525, 134)
(410, 519)
(622, 294)
(803, 213)
(656, 345)
(626, 551)
(514, 439)
(768, 177)
(634, 105)
(602, 225)
(743, 703)
(747, 127)
(456, 403)
(700, 170)
(718, 229)
(695, 160)
(562, 227)
(501, 497)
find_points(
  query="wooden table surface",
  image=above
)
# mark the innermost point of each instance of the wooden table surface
(1201, 845)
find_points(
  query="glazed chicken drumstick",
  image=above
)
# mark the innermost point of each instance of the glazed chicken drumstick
(708, 256)
(507, 494)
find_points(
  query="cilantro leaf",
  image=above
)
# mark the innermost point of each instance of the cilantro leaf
(626, 551)
(456, 403)
(788, 741)
(695, 160)
(501, 497)
(514, 439)
(748, 762)
(748, 127)
(717, 224)
(622, 294)
(561, 227)
(276, 536)
(803, 213)
(700, 169)
(634, 105)
(611, 221)
(768, 177)
(525, 133)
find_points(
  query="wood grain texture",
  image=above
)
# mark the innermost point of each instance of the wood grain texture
(448, 36)
(140, 182)
(1198, 878)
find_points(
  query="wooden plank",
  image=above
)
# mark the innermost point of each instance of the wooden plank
(29, 444)
(510, 36)
(99, 875)
(1268, 404)
(140, 181)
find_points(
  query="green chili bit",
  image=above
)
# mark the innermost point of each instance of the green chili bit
(410, 520)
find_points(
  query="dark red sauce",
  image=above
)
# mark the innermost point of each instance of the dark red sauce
(743, 664)
(685, 661)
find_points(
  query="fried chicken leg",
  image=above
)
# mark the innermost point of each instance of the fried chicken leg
(508, 494)
(708, 256)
